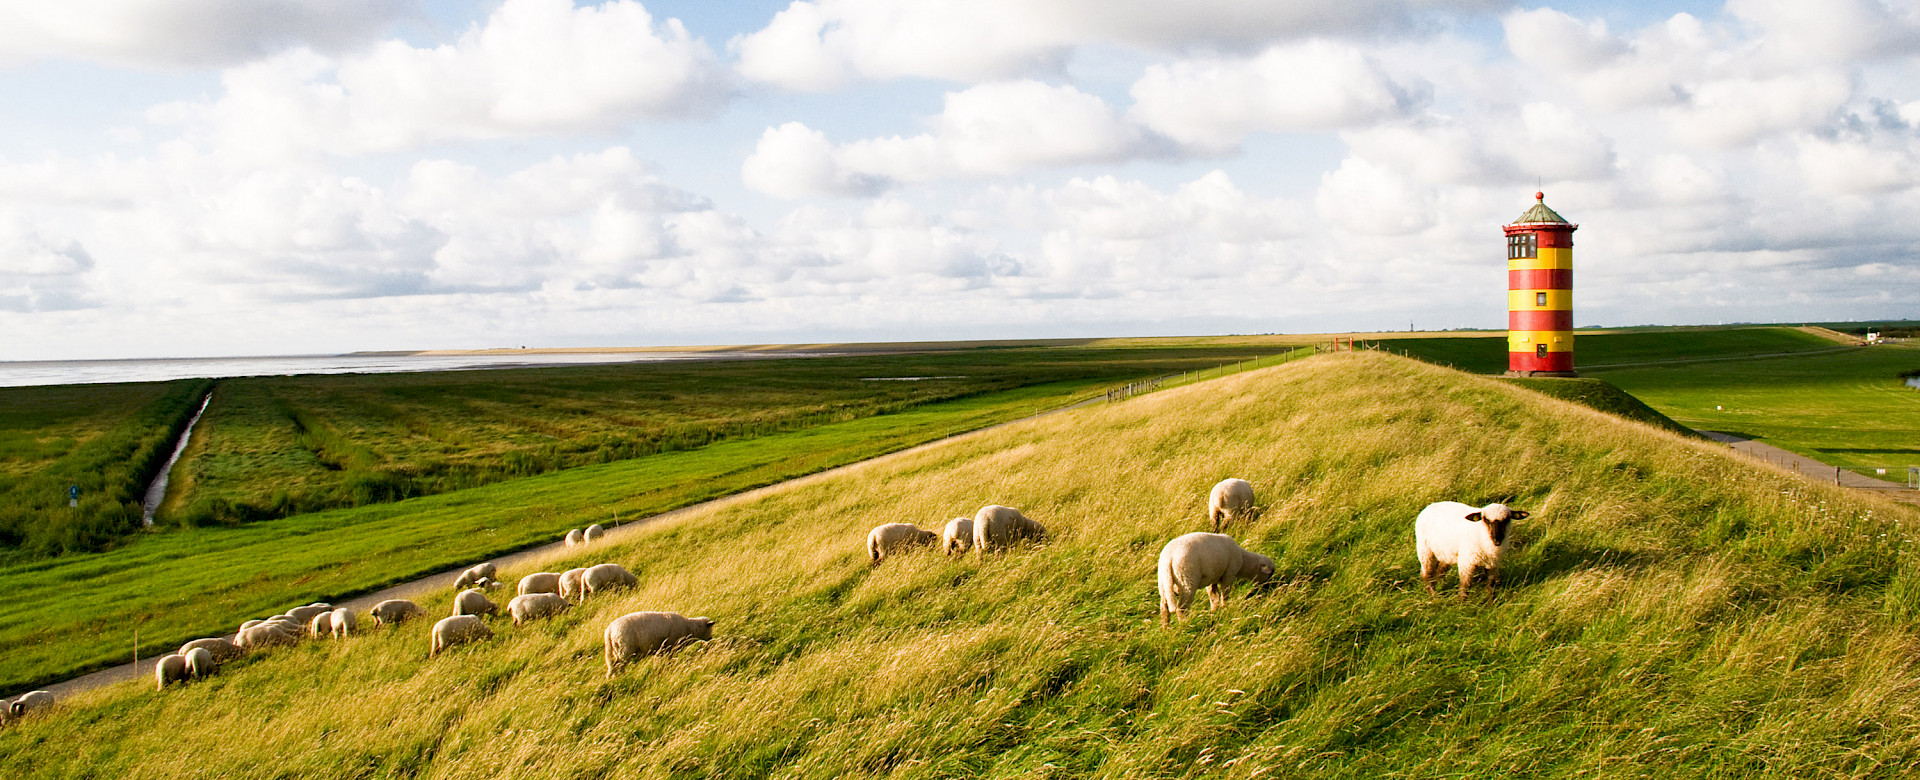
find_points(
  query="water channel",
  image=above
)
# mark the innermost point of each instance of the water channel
(157, 491)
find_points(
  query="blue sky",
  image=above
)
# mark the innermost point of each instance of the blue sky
(215, 177)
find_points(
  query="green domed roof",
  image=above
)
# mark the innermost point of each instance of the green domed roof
(1539, 212)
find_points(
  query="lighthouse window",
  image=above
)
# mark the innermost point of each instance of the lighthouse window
(1539, 299)
(1524, 245)
(1540, 350)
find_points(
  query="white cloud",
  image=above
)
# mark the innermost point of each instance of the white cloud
(1212, 104)
(186, 33)
(41, 272)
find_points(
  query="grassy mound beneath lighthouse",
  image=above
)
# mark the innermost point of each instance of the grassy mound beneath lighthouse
(1669, 612)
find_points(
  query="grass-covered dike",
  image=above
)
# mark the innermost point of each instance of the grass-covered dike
(1669, 611)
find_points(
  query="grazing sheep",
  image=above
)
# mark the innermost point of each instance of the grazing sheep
(571, 588)
(1232, 499)
(896, 538)
(539, 582)
(171, 668)
(594, 533)
(304, 615)
(473, 602)
(221, 649)
(343, 622)
(29, 703)
(321, 625)
(200, 663)
(250, 624)
(268, 634)
(644, 633)
(575, 538)
(532, 606)
(1450, 532)
(996, 527)
(458, 629)
(472, 576)
(957, 537)
(1213, 562)
(607, 576)
(394, 611)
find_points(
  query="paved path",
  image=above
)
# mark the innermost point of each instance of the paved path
(1813, 469)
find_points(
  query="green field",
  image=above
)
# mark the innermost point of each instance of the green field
(1488, 354)
(1669, 611)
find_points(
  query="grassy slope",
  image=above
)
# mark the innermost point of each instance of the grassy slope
(1671, 612)
(1849, 408)
(1600, 395)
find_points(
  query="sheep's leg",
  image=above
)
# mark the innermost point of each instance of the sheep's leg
(1218, 518)
(1493, 582)
(1466, 579)
(1429, 569)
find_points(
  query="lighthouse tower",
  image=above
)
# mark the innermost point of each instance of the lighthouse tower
(1540, 293)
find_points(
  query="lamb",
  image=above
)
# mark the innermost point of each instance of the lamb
(458, 629)
(571, 588)
(1201, 560)
(996, 527)
(1232, 499)
(607, 576)
(221, 649)
(343, 622)
(532, 606)
(394, 611)
(896, 538)
(594, 533)
(200, 663)
(472, 576)
(575, 538)
(171, 668)
(644, 633)
(957, 537)
(473, 602)
(29, 703)
(321, 625)
(1450, 532)
(539, 582)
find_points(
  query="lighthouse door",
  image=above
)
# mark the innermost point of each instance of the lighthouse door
(1540, 350)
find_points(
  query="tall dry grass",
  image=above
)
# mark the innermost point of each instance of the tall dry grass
(1668, 612)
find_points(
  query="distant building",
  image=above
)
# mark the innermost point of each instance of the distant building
(1540, 293)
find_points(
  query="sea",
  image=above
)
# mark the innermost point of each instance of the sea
(81, 372)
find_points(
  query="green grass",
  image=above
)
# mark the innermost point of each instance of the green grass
(1598, 394)
(1850, 408)
(1488, 354)
(1670, 611)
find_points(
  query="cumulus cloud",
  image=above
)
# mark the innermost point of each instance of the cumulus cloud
(186, 33)
(534, 67)
(41, 272)
(1211, 104)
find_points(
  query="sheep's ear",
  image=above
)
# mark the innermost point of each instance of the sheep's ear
(1517, 515)
(1475, 518)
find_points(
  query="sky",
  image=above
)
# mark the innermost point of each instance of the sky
(260, 177)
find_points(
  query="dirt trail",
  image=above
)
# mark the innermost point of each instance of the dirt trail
(1813, 469)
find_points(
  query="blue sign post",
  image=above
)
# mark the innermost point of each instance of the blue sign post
(73, 495)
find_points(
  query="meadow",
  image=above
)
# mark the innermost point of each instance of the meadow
(1668, 611)
(1487, 354)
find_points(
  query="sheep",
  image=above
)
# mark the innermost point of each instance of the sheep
(531, 606)
(539, 582)
(607, 576)
(896, 538)
(996, 527)
(644, 633)
(221, 649)
(170, 668)
(473, 602)
(571, 588)
(473, 575)
(304, 615)
(594, 533)
(29, 703)
(200, 663)
(250, 624)
(957, 537)
(394, 611)
(343, 622)
(321, 625)
(574, 538)
(1449, 532)
(1201, 560)
(458, 629)
(268, 634)
(1232, 499)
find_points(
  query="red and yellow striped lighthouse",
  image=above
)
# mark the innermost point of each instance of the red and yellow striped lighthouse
(1540, 293)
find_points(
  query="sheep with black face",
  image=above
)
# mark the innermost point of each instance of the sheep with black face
(1450, 533)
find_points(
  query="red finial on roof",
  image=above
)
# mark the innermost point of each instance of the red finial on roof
(1540, 196)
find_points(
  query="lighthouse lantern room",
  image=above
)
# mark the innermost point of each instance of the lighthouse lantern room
(1540, 293)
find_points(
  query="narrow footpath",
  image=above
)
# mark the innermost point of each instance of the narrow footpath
(1813, 469)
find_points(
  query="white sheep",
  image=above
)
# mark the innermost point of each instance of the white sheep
(458, 629)
(1232, 499)
(595, 533)
(474, 574)
(303, 616)
(1213, 562)
(571, 588)
(268, 634)
(539, 582)
(575, 538)
(1452, 533)
(532, 606)
(957, 537)
(29, 703)
(643, 633)
(170, 668)
(343, 622)
(250, 624)
(221, 649)
(896, 538)
(200, 663)
(996, 527)
(321, 625)
(607, 576)
(394, 611)
(473, 602)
